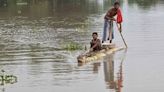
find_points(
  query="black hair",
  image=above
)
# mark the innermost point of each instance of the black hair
(95, 33)
(116, 3)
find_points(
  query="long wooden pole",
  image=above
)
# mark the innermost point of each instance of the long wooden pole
(120, 30)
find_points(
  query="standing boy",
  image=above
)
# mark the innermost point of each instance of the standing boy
(108, 21)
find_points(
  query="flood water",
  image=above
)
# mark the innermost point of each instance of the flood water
(34, 33)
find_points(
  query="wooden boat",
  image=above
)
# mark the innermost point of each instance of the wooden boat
(93, 56)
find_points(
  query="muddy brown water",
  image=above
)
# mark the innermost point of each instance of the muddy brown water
(33, 34)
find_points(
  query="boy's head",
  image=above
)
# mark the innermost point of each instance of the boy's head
(94, 35)
(116, 4)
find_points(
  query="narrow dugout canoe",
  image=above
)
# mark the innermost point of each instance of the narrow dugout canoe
(93, 56)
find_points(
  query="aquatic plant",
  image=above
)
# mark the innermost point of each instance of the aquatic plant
(72, 46)
(7, 78)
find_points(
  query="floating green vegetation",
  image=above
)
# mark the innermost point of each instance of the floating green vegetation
(7, 78)
(72, 46)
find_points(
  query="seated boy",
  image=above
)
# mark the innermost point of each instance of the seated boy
(95, 42)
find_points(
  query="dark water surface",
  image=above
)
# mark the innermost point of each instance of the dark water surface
(34, 33)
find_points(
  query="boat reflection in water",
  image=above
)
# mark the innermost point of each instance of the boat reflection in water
(96, 67)
(113, 79)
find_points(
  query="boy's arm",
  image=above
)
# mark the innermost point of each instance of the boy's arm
(107, 16)
(119, 26)
(97, 43)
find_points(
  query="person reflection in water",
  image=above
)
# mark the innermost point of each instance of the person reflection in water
(115, 84)
(96, 67)
(109, 71)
